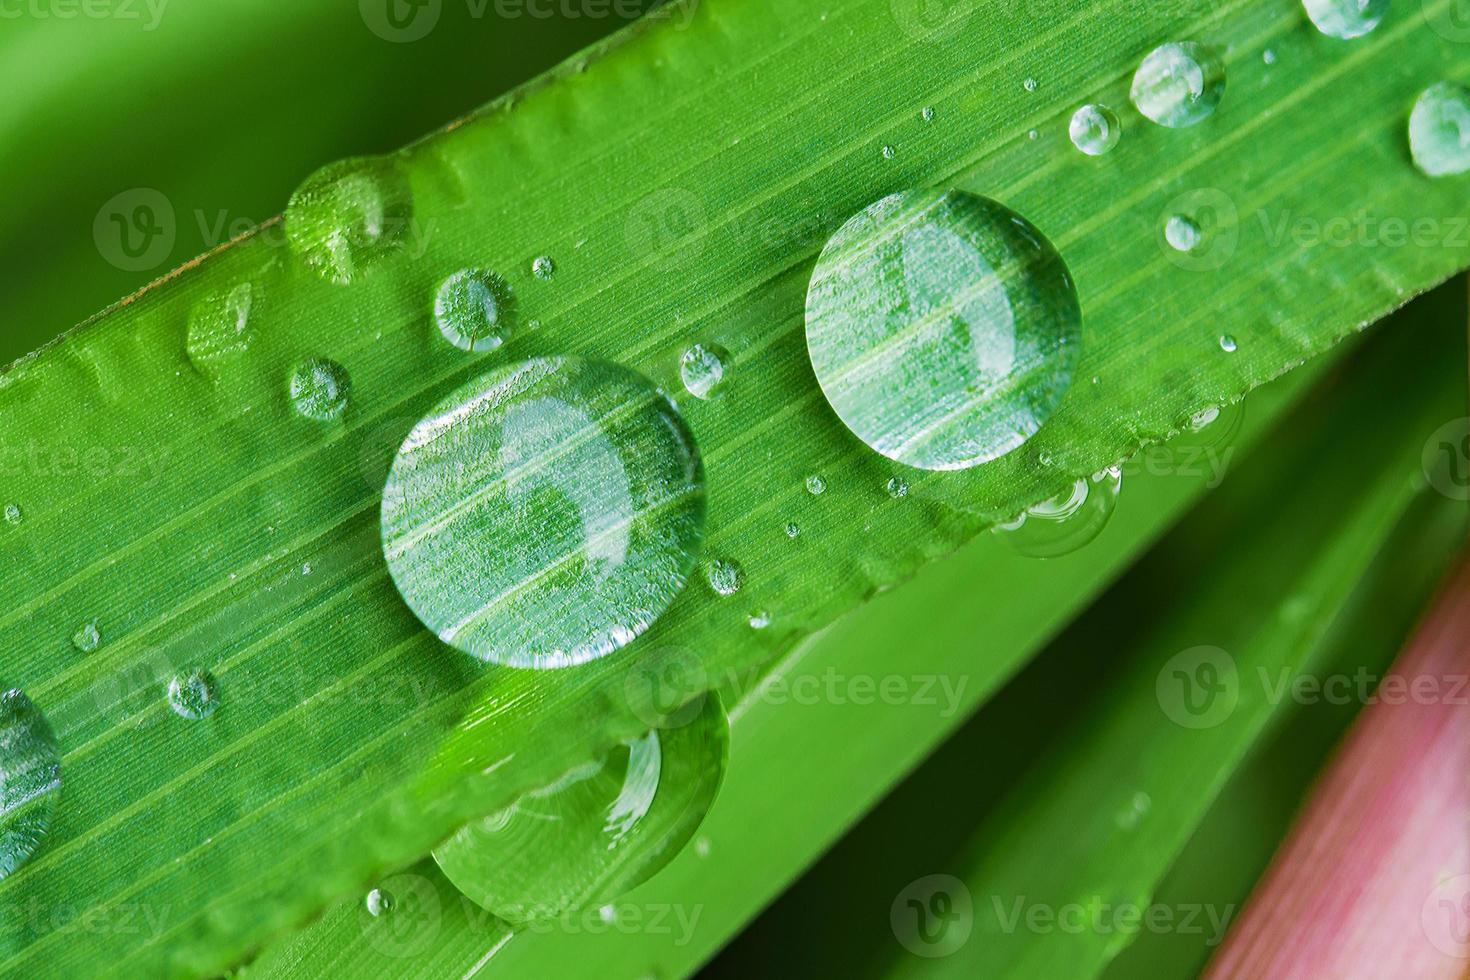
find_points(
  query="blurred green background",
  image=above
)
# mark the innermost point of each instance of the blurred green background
(138, 134)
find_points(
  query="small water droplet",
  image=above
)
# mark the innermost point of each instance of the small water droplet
(1202, 419)
(545, 513)
(1063, 523)
(599, 830)
(1227, 343)
(942, 327)
(542, 267)
(928, 113)
(1346, 19)
(1439, 130)
(816, 485)
(306, 569)
(473, 310)
(1045, 458)
(1033, 134)
(702, 847)
(888, 153)
(30, 776)
(760, 619)
(349, 216)
(1137, 808)
(193, 695)
(702, 369)
(1268, 56)
(793, 530)
(1182, 234)
(13, 515)
(1179, 84)
(319, 389)
(725, 576)
(897, 487)
(219, 327)
(379, 902)
(88, 637)
(1095, 129)
(1029, 85)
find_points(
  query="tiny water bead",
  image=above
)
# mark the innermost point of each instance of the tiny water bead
(816, 485)
(1202, 419)
(897, 487)
(1227, 343)
(888, 152)
(1182, 234)
(702, 369)
(219, 327)
(379, 902)
(193, 695)
(1179, 84)
(13, 515)
(1029, 85)
(30, 778)
(1067, 521)
(725, 576)
(596, 832)
(760, 619)
(942, 327)
(545, 513)
(542, 267)
(928, 113)
(88, 637)
(473, 310)
(319, 389)
(1439, 130)
(1095, 129)
(349, 216)
(1346, 19)
(793, 530)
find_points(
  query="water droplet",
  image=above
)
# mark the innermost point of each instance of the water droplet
(1033, 135)
(1095, 129)
(319, 389)
(1227, 343)
(816, 485)
(219, 327)
(473, 310)
(30, 776)
(349, 216)
(760, 619)
(1268, 56)
(596, 832)
(702, 369)
(725, 576)
(542, 267)
(942, 327)
(545, 513)
(702, 847)
(793, 530)
(193, 695)
(1182, 234)
(928, 113)
(1346, 19)
(888, 153)
(897, 487)
(1439, 130)
(1029, 85)
(1179, 84)
(13, 516)
(1137, 808)
(1067, 521)
(88, 637)
(1202, 419)
(379, 902)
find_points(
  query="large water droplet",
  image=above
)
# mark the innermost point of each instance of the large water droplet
(1439, 130)
(193, 695)
(596, 832)
(545, 513)
(1067, 521)
(219, 327)
(319, 389)
(942, 327)
(348, 216)
(702, 369)
(1179, 84)
(1095, 129)
(473, 310)
(1346, 19)
(30, 778)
